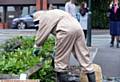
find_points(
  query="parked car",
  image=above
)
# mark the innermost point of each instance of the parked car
(24, 22)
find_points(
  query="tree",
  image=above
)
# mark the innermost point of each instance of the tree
(99, 13)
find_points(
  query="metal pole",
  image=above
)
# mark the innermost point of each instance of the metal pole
(89, 25)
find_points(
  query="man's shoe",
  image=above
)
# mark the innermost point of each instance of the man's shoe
(66, 77)
(117, 45)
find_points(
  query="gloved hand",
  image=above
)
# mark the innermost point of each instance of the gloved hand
(36, 51)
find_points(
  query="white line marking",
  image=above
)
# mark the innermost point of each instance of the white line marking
(94, 54)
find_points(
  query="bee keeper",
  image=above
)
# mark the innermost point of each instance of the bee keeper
(69, 38)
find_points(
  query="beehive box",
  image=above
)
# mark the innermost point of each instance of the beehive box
(98, 74)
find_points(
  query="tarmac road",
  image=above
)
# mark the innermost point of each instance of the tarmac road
(9, 33)
(108, 58)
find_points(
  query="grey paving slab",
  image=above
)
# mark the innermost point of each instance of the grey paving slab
(109, 60)
(101, 40)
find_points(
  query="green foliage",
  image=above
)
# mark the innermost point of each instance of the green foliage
(99, 13)
(18, 60)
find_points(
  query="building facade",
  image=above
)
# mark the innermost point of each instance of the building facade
(10, 9)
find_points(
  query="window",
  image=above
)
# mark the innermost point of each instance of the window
(10, 8)
(32, 9)
(10, 12)
(62, 7)
(1, 14)
(25, 11)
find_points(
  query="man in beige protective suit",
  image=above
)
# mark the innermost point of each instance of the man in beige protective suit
(69, 38)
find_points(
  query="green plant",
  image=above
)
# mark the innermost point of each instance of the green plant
(20, 59)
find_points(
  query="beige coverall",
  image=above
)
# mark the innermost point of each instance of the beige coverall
(69, 36)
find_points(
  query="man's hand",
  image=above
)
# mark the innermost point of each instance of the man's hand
(36, 52)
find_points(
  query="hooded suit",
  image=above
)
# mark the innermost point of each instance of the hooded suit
(69, 38)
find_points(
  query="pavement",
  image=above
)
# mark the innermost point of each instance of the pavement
(10, 33)
(107, 57)
(101, 52)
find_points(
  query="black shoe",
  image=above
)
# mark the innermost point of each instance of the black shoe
(117, 46)
(111, 45)
(91, 77)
